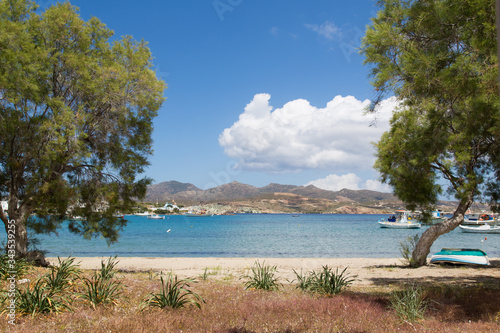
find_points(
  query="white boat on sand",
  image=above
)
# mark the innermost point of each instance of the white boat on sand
(482, 229)
(400, 220)
(460, 256)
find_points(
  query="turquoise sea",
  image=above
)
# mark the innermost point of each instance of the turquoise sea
(257, 235)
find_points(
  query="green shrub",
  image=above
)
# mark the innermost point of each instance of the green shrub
(262, 277)
(99, 290)
(108, 268)
(50, 292)
(102, 288)
(304, 280)
(62, 276)
(7, 264)
(409, 303)
(174, 294)
(326, 282)
(406, 248)
(41, 299)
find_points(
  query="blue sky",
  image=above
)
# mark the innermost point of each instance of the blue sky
(258, 91)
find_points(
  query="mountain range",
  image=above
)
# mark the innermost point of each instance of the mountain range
(187, 193)
(277, 198)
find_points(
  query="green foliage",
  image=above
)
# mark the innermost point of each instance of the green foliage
(174, 294)
(102, 288)
(326, 282)
(41, 299)
(50, 293)
(409, 303)
(108, 271)
(99, 290)
(63, 276)
(406, 248)
(76, 112)
(7, 264)
(439, 59)
(262, 277)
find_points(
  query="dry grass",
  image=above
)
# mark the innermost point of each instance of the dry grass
(231, 308)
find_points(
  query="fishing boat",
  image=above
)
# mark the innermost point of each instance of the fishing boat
(156, 217)
(400, 220)
(143, 214)
(482, 229)
(479, 219)
(437, 217)
(460, 256)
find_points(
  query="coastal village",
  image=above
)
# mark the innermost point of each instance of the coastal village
(238, 198)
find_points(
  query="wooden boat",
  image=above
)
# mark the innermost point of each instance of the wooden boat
(400, 220)
(460, 256)
(482, 229)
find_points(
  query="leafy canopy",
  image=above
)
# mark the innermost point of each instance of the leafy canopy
(76, 111)
(439, 58)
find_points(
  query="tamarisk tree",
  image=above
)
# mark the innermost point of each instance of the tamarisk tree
(76, 113)
(439, 58)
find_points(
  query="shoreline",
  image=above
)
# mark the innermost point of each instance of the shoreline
(365, 271)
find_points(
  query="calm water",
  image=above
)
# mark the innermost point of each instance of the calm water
(258, 235)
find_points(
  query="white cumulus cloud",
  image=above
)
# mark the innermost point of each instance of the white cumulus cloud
(300, 136)
(336, 183)
(349, 181)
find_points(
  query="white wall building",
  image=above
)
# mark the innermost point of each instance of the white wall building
(5, 205)
(170, 207)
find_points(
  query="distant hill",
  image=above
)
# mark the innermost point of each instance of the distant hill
(167, 190)
(278, 198)
(186, 193)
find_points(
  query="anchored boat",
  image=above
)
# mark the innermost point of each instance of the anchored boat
(400, 220)
(483, 229)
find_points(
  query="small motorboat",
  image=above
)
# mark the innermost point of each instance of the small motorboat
(460, 256)
(480, 219)
(142, 214)
(400, 220)
(482, 229)
(156, 217)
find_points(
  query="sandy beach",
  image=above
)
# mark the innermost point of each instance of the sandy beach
(366, 271)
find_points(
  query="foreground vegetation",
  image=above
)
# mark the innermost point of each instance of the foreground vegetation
(217, 302)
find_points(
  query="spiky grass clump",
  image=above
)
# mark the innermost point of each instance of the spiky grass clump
(50, 292)
(262, 277)
(174, 294)
(406, 248)
(409, 303)
(8, 264)
(41, 299)
(326, 282)
(63, 276)
(102, 288)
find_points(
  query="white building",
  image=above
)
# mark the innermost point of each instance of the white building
(170, 207)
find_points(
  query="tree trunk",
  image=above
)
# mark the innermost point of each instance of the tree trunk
(16, 223)
(423, 247)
